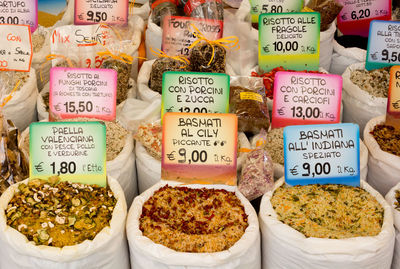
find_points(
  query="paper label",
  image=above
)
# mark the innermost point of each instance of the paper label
(322, 154)
(94, 11)
(251, 96)
(355, 17)
(273, 6)
(15, 48)
(76, 151)
(199, 148)
(393, 104)
(383, 44)
(306, 98)
(290, 40)
(178, 36)
(83, 92)
(23, 12)
(195, 92)
(78, 42)
(51, 11)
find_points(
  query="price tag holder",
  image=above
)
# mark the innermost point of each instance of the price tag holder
(177, 33)
(192, 92)
(272, 6)
(15, 48)
(290, 40)
(393, 104)
(85, 92)
(306, 98)
(383, 45)
(199, 148)
(94, 11)
(76, 151)
(24, 12)
(322, 154)
(355, 17)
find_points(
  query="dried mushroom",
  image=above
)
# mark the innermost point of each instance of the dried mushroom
(160, 66)
(203, 53)
(123, 73)
(388, 138)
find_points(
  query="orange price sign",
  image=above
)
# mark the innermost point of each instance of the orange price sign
(393, 105)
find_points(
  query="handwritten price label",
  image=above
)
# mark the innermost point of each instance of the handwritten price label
(383, 44)
(322, 154)
(290, 40)
(15, 48)
(306, 98)
(24, 12)
(355, 17)
(83, 92)
(75, 151)
(178, 36)
(199, 148)
(93, 11)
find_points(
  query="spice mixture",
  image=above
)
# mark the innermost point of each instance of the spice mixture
(193, 220)
(274, 145)
(374, 82)
(388, 138)
(328, 211)
(150, 136)
(124, 71)
(160, 66)
(60, 214)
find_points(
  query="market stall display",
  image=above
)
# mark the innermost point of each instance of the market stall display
(393, 199)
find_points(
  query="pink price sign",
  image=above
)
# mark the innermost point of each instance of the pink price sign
(94, 11)
(82, 92)
(20, 12)
(306, 98)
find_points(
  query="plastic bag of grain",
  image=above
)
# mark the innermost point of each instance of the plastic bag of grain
(326, 37)
(41, 48)
(42, 101)
(120, 166)
(359, 106)
(245, 253)
(343, 57)
(383, 167)
(284, 247)
(21, 109)
(107, 250)
(391, 199)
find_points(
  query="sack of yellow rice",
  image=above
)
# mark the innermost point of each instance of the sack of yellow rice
(326, 226)
(40, 228)
(172, 225)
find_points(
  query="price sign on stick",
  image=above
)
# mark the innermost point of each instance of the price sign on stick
(306, 98)
(383, 44)
(177, 33)
(83, 92)
(322, 154)
(272, 6)
(23, 12)
(94, 11)
(76, 151)
(393, 105)
(199, 148)
(15, 48)
(290, 40)
(195, 92)
(355, 17)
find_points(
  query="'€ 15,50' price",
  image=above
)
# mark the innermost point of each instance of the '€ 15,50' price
(78, 107)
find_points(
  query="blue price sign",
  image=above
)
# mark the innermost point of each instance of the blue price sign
(383, 44)
(322, 154)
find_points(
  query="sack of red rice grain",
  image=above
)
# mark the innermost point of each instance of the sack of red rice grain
(187, 230)
(326, 226)
(384, 154)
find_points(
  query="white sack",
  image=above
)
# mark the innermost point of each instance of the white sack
(153, 38)
(43, 114)
(21, 109)
(144, 92)
(343, 57)
(326, 37)
(145, 254)
(284, 247)
(122, 168)
(358, 105)
(107, 250)
(142, 11)
(39, 57)
(391, 198)
(383, 167)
